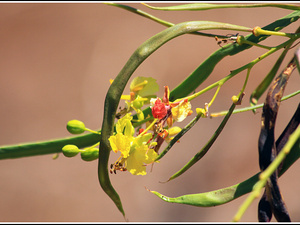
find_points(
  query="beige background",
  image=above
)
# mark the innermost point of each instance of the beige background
(56, 62)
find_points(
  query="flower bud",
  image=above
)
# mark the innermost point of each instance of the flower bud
(256, 31)
(202, 112)
(138, 102)
(240, 39)
(75, 127)
(159, 110)
(235, 99)
(90, 154)
(174, 130)
(70, 150)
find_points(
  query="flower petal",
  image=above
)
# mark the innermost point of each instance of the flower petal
(124, 125)
(139, 156)
(142, 140)
(113, 143)
(181, 111)
(121, 143)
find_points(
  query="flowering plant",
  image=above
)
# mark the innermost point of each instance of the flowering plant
(137, 130)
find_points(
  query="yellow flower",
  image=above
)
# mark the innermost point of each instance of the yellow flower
(124, 125)
(124, 137)
(181, 111)
(140, 155)
(122, 143)
(135, 151)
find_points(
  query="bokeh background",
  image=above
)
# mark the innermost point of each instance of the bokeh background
(56, 62)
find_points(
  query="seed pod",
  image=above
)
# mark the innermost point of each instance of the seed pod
(264, 209)
(266, 145)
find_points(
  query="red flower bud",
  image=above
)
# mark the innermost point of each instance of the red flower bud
(159, 110)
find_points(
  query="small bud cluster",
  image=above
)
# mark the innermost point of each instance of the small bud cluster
(70, 150)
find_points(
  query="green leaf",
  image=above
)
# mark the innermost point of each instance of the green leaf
(46, 147)
(225, 195)
(207, 146)
(213, 198)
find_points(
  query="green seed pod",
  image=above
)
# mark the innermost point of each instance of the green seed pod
(70, 150)
(75, 127)
(90, 154)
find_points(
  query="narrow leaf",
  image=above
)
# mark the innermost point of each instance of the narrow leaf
(225, 195)
(205, 149)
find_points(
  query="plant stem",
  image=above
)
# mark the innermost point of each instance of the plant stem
(223, 113)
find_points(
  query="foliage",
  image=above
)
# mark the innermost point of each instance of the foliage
(139, 147)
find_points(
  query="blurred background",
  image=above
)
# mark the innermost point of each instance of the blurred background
(56, 62)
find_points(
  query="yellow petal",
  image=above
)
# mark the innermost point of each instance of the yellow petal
(151, 156)
(139, 156)
(121, 143)
(143, 139)
(181, 111)
(135, 166)
(113, 144)
(125, 97)
(125, 123)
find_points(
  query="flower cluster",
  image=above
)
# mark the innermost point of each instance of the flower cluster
(136, 152)
(87, 154)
